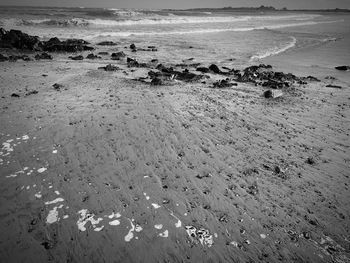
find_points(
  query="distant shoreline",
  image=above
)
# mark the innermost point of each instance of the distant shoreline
(221, 9)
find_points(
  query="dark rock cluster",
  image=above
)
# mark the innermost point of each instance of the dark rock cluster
(16, 39)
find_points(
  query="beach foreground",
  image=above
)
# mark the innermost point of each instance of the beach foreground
(104, 167)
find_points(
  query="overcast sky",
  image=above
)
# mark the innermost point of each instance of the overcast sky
(298, 4)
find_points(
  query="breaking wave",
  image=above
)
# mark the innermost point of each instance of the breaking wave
(275, 50)
(130, 18)
(202, 31)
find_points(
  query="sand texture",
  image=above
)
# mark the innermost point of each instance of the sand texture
(110, 169)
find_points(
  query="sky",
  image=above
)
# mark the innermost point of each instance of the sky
(183, 4)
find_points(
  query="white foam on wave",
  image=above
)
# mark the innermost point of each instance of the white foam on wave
(203, 31)
(275, 50)
(132, 18)
(174, 19)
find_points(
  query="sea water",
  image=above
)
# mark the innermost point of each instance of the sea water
(228, 38)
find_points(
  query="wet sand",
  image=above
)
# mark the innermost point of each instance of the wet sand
(109, 169)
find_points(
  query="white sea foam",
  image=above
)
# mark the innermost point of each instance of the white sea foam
(41, 170)
(155, 206)
(114, 222)
(202, 31)
(57, 200)
(130, 234)
(160, 226)
(52, 217)
(164, 234)
(275, 50)
(85, 217)
(132, 18)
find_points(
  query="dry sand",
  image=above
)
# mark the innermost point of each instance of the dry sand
(109, 169)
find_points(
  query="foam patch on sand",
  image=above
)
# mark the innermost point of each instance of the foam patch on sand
(41, 170)
(134, 227)
(114, 215)
(8, 146)
(52, 217)
(202, 235)
(17, 173)
(115, 222)
(155, 206)
(57, 200)
(147, 197)
(164, 234)
(86, 217)
(160, 226)
(178, 224)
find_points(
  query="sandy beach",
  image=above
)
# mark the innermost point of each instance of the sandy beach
(107, 168)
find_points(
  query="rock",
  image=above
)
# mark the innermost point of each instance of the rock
(171, 74)
(272, 94)
(103, 53)
(133, 47)
(48, 244)
(43, 55)
(92, 56)
(154, 60)
(306, 235)
(311, 78)
(310, 160)
(225, 83)
(253, 189)
(109, 67)
(334, 86)
(69, 45)
(22, 41)
(187, 76)
(3, 58)
(14, 58)
(214, 68)
(15, 95)
(32, 92)
(277, 169)
(264, 76)
(79, 57)
(165, 69)
(203, 69)
(118, 55)
(156, 82)
(107, 43)
(19, 40)
(330, 77)
(134, 63)
(343, 68)
(57, 86)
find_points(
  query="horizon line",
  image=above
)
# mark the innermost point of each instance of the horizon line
(180, 9)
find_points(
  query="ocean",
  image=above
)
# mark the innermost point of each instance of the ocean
(239, 38)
